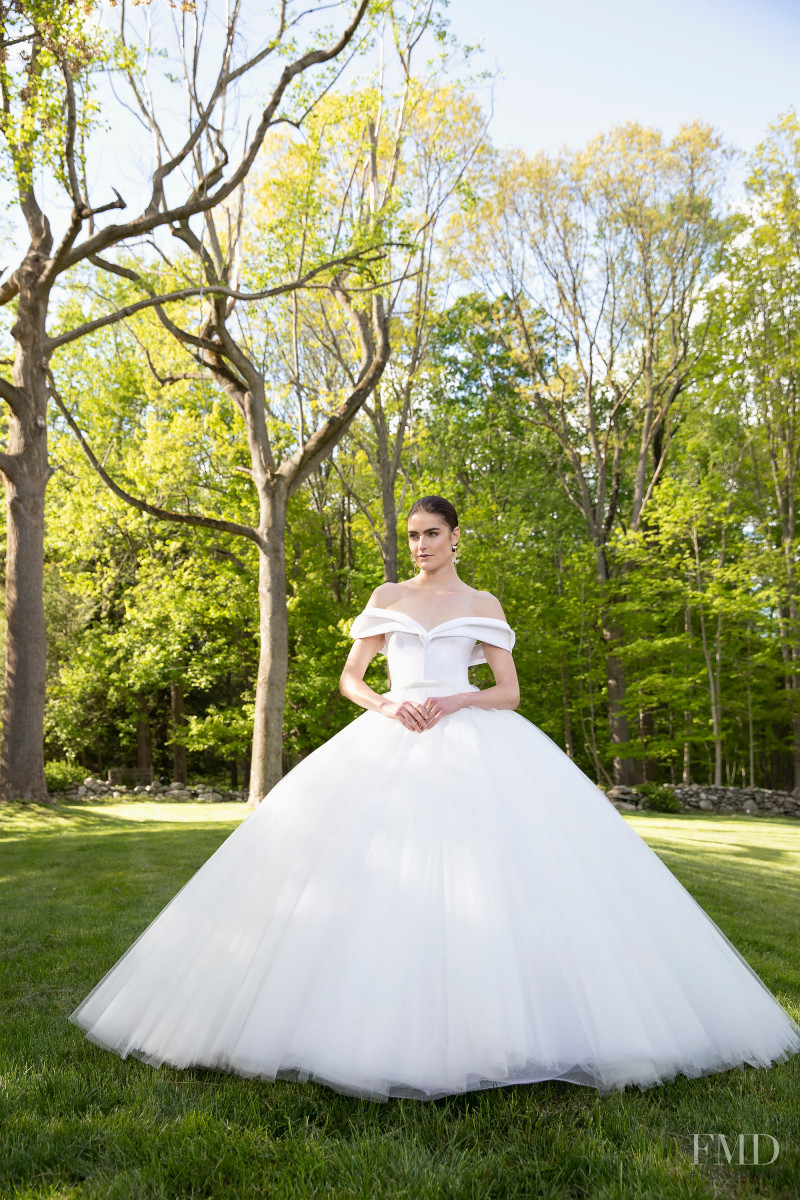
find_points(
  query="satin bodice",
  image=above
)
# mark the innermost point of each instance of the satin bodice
(420, 657)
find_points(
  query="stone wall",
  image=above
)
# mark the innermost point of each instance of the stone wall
(91, 788)
(696, 797)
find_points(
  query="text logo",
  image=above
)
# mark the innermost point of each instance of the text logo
(714, 1147)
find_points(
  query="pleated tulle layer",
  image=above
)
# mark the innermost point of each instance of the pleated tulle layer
(426, 914)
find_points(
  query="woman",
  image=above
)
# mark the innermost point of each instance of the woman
(437, 900)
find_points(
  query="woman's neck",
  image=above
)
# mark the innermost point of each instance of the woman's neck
(441, 579)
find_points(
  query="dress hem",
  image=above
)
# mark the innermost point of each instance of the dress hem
(575, 1074)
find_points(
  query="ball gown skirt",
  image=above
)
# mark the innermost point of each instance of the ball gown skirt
(424, 914)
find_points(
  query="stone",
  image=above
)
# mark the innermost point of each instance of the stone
(705, 804)
(621, 792)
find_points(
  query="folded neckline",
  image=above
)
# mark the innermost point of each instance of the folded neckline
(395, 612)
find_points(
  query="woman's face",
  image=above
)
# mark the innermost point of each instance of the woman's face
(430, 540)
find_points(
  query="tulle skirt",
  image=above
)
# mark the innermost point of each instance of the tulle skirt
(424, 914)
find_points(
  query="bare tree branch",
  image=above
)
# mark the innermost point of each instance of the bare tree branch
(204, 289)
(154, 510)
(8, 465)
(297, 467)
(153, 217)
(12, 396)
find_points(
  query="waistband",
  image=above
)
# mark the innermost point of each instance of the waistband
(431, 687)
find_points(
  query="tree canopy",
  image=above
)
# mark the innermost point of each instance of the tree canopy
(593, 355)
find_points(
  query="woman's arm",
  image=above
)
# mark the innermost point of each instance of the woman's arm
(351, 684)
(505, 691)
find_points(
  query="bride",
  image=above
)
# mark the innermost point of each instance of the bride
(437, 899)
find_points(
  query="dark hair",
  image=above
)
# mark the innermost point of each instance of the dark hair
(438, 505)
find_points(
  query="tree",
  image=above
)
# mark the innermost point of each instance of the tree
(161, 611)
(611, 246)
(444, 139)
(757, 349)
(50, 54)
(327, 210)
(519, 536)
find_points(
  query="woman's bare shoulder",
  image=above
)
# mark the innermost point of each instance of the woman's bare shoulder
(385, 595)
(487, 605)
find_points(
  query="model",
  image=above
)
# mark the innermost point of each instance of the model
(437, 899)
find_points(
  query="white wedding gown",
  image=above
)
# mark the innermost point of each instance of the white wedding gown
(423, 914)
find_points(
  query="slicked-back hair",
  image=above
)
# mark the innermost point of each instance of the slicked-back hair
(438, 505)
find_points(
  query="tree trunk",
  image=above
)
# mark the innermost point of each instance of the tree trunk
(751, 749)
(179, 765)
(390, 563)
(788, 650)
(624, 768)
(144, 745)
(387, 474)
(273, 662)
(244, 771)
(714, 703)
(687, 713)
(568, 746)
(794, 693)
(345, 559)
(25, 473)
(713, 666)
(349, 558)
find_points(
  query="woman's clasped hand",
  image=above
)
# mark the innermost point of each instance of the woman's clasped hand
(421, 715)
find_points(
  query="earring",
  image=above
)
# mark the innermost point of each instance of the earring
(456, 552)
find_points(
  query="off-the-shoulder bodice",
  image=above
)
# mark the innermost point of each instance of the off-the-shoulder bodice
(417, 655)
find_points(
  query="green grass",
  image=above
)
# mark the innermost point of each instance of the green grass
(80, 883)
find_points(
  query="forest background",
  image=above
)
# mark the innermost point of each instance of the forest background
(592, 354)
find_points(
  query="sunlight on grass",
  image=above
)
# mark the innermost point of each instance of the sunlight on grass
(26, 820)
(756, 836)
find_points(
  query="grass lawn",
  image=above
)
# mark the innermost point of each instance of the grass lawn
(81, 882)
